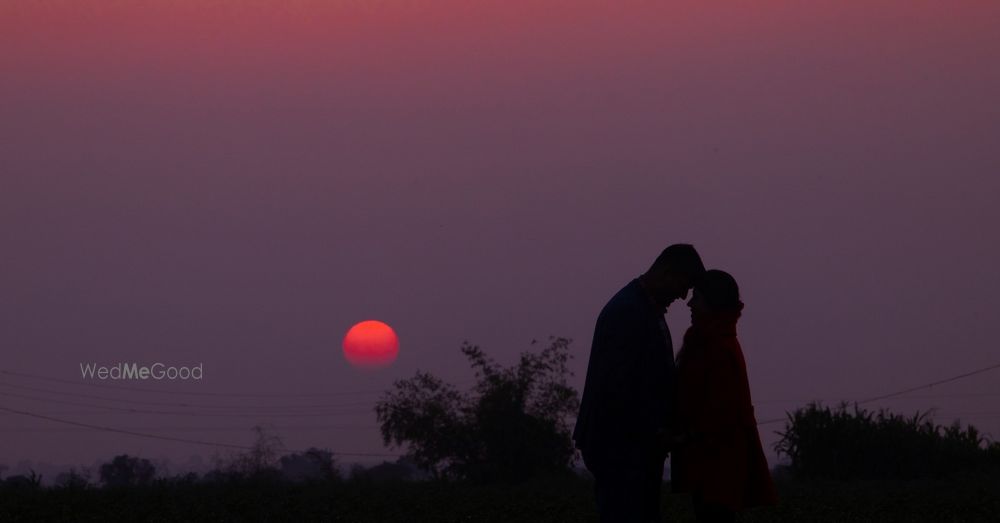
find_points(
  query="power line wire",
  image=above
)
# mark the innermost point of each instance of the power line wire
(188, 413)
(109, 386)
(191, 393)
(170, 438)
(185, 405)
(919, 397)
(932, 384)
(193, 429)
(904, 391)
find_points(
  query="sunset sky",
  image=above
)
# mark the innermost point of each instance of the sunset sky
(239, 182)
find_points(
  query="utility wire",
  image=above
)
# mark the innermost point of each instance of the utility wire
(206, 393)
(917, 397)
(169, 438)
(185, 405)
(193, 428)
(191, 393)
(904, 391)
(187, 413)
(932, 384)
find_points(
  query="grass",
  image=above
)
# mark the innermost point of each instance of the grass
(970, 499)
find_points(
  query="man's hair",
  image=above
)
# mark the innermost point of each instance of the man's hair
(719, 289)
(680, 258)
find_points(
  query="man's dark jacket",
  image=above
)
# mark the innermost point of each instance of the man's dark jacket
(630, 391)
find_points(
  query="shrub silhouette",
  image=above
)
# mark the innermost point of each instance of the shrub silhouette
(312, 465)
(859, 444)
(127, 471)
(20, 481)
(510, 427)
(259, 462)
(73, 479)
(399, 471)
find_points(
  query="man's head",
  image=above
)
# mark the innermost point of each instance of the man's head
(673, 273)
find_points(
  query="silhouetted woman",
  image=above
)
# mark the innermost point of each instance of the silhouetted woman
(718, 456)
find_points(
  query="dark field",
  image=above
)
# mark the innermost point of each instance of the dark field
(967, 500)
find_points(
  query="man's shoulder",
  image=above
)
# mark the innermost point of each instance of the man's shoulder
(624, 302)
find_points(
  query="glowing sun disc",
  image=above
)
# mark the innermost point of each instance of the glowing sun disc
(371, 344)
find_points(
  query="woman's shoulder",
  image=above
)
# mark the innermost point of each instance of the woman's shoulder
(726, 350)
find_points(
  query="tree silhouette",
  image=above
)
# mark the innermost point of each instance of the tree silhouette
(260, 461)
(312, 465)
(403, 469)
(513, 424)
(32, 481)
(73, 479)
(125, 471)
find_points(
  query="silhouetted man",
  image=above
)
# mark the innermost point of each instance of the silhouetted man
(628, 403)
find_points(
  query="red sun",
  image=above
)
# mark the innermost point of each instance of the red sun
(371, 344)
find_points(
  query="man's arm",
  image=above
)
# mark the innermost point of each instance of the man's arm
(619, 365)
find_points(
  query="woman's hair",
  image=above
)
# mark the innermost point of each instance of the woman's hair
(719, 289)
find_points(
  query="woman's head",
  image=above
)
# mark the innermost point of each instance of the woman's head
(715, 291)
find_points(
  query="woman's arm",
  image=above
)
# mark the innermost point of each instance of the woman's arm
(719, 410)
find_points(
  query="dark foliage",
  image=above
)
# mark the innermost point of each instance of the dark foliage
(312, 465)
(23, 482)
(551, 500)
(127, 471)
(512, 426)
(73, 479)
(402, 469)
(260, 462)
(855, 443)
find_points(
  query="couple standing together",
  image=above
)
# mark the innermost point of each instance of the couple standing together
(639, 405)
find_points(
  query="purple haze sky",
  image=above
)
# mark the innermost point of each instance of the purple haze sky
(237, 183)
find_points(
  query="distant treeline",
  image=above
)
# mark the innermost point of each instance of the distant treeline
(259, 464)
(513, 426)
(848, 443)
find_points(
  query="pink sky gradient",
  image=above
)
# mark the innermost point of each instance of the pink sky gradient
(237, 183)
